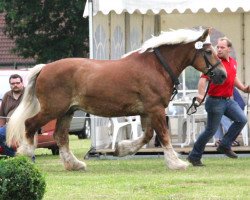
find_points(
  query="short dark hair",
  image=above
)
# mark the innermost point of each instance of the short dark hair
(229, 43)
(15, 76)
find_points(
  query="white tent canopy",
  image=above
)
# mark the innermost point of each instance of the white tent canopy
(167, 6)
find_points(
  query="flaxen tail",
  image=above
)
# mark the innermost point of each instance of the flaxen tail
(28, 107)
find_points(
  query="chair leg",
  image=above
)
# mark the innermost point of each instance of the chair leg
(115, 133)
(134, 131)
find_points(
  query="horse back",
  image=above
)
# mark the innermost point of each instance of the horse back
(93, 85)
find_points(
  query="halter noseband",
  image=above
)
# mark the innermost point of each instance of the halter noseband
(209, 65)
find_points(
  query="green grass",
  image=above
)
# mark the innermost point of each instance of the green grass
(143, 178)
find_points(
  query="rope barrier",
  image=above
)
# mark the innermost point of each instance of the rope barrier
(97, 117)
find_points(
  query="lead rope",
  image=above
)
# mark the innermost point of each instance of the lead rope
(195, 104)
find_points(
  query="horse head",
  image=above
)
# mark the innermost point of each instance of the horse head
(206, 60)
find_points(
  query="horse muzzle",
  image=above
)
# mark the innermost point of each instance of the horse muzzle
(218, 75)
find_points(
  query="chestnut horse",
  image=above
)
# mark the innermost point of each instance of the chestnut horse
(137, 84)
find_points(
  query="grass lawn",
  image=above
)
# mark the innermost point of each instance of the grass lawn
(135, 177)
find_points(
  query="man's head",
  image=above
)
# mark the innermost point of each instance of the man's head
(16, 83)
(224, 47)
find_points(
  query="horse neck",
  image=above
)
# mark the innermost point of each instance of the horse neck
(176, 56)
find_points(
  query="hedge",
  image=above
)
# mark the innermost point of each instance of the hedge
(20, 180)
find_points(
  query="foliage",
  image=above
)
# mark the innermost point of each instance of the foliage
(47, 30)
(1, 6)
(20, 179)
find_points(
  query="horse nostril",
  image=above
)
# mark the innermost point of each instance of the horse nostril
(223, 76)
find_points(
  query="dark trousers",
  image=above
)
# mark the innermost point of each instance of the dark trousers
(8, 151)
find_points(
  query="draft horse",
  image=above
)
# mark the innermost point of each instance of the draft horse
(136, 84)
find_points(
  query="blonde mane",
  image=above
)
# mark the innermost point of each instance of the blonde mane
(169, 37)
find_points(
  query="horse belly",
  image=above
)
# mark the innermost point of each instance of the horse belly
(112, 107)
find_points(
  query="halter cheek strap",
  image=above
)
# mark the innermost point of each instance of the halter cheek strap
(208, 64)
(175, 79)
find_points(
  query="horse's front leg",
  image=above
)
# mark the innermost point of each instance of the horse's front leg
(130, 147)
(62, 138)
(160, 126)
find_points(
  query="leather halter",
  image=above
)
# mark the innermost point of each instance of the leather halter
(175, 79)
(209, 73)
(208, 63)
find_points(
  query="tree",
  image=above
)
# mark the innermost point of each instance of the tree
(47, 30)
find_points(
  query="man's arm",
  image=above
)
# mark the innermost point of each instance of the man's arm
(202, 85)
(2, 115)
(2, 119)
(240, 86)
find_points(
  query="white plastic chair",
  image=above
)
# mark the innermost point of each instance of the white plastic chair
(136, 128)
(134, 122)
(116, 127)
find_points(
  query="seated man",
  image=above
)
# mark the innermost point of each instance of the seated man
(10, 102)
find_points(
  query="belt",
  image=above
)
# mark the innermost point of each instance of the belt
(219, 97)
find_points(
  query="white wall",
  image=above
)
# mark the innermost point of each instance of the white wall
(228, 23)
(247, 48)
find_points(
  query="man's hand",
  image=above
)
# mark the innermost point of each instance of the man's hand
(247, 89)
(199, 98)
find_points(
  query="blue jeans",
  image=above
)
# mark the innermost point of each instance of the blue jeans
(216, 108)
(223, 127)
(7, 150)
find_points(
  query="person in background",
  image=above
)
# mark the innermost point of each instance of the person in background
(10, 102)
(218, 103)
(226, 122)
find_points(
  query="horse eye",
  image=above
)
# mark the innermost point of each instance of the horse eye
(209, 52)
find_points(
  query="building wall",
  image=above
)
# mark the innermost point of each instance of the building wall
(230, 24)
(247, 47)
(235, 26)
(115, 35)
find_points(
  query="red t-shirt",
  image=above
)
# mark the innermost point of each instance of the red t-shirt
(226, 89)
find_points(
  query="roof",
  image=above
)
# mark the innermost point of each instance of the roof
(167, 6)
(7, 58)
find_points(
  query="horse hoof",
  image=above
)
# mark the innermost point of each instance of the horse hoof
(116, 152)
(24, 150)
(119, 150)
(80, 166)
(180, 166)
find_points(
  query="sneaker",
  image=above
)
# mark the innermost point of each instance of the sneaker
(195, 163)
(228, 152)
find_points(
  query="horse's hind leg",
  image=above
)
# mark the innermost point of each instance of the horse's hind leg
(160, 126)
(62, 138)
(130, 147)
(27, 147)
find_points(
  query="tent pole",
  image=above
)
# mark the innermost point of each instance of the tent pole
(91, 50)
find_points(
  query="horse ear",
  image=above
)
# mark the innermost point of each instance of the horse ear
(204, 35)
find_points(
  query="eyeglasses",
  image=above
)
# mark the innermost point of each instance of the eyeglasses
(15, 83)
